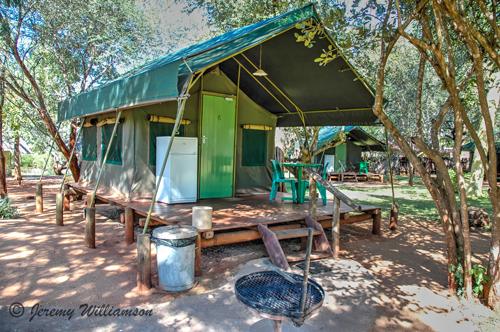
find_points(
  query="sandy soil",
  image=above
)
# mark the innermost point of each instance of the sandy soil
(50, 265)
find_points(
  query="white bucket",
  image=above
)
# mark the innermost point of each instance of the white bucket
(202, 217)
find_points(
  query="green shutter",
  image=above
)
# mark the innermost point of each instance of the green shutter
(115, 153)
(254, 147)
(160, 129)
(89, 143)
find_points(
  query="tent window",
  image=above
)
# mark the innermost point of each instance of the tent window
(160, 129)
(115, 152)
(89, 142)
(254, 147)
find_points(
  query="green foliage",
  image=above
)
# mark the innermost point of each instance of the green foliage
(454, 179)
(309, 29)
(8, 211)
(458, 273)
(479, 278)
(35, 161)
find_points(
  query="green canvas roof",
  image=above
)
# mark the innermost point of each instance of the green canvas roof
(355, 134)
(471, 146)
(329, 95)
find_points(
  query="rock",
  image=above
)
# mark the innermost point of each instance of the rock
(478, 217)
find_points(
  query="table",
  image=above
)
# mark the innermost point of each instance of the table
(300, 196)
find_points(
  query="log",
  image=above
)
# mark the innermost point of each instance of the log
(122, 218)
(89, 227)
(394, 217)
(336, 193)
(142, 222)
(129, 225)
(240, 236)
(358, 218)
(320, 241)
(39, 197)
(59, 209)
(231, 237)
(143, 262)
(336, 227)
(274, 249)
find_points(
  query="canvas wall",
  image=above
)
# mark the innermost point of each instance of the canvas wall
(134, 179)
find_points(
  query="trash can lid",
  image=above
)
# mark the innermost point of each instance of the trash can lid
(175, 232)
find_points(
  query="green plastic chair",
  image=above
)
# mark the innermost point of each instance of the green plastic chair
(363, 167)
(321, 189)
(279, 177)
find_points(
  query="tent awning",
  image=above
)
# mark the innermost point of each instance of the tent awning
(296, 87)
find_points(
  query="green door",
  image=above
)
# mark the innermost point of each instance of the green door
(217, 147)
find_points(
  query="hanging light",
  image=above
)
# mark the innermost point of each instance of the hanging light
(260, 72)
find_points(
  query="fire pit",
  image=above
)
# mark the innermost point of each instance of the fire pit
(281, 296)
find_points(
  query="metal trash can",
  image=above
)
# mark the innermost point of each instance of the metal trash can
(175, 256)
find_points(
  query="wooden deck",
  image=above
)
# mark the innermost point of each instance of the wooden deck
(235, 219)
(229, 213)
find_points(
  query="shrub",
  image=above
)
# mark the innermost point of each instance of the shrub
(8, 211)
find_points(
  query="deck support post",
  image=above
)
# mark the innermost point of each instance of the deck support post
(313, 206)
(67, 206)
(39, 187)
(394, 217)
(143, 262)
(129, 225)
(336, 227)
(59, 209)
(39, 197)
(377, 219)
(197, 257)
(89, 227)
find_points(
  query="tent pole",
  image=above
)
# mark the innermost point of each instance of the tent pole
(249, 73)
(72, 153)
(236, 129)
(50, 151)
(92, 202)
(39, 186)
(394, 207)
(180, 113)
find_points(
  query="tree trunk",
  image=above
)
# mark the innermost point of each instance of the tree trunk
(17, 161)
(410, 170)
(3, 181)
(475, 183)
(42, 109)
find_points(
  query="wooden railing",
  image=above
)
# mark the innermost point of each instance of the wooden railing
(337, 197)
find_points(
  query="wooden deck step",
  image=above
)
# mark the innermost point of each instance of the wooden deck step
(301, 256)
(294, 233)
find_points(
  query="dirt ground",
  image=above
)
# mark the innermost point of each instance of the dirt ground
(50, 265)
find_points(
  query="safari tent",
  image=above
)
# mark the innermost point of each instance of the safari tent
(350, 152)
(231, 111)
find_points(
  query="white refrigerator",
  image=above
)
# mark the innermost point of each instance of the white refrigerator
(179, 183)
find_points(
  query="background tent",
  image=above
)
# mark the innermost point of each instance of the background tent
(350, 152)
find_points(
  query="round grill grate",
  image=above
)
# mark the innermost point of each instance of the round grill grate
(270, 293)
